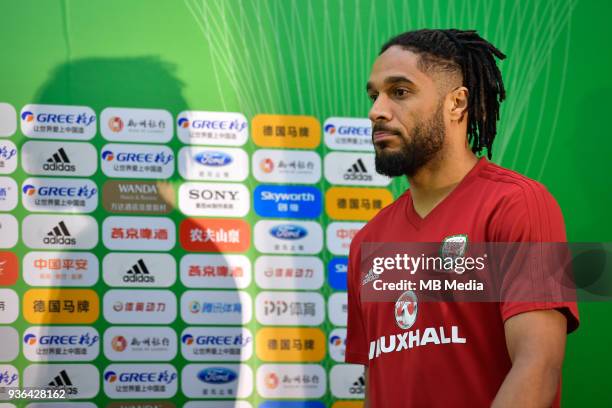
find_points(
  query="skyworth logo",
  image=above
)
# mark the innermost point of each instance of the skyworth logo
(288, 201)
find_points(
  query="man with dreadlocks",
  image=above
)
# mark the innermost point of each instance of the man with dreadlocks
(435, 103)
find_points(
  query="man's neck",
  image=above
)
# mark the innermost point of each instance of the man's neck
(435, 181)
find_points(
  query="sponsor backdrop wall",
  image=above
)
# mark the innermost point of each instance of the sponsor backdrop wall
(180, 182)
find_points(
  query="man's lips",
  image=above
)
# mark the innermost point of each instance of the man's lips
(382, 135)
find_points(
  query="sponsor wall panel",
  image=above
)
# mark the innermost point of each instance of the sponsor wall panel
(223, 254)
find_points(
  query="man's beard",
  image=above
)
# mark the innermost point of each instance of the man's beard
(426, 140)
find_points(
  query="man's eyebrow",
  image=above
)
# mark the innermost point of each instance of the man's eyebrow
(390, 81)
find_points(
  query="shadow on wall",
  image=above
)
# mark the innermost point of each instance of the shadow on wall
(144, 82)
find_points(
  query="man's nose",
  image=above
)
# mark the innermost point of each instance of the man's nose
(380, 110)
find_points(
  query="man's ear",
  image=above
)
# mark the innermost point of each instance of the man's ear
(458, 103)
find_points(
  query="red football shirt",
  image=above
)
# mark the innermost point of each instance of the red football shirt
(464, 360)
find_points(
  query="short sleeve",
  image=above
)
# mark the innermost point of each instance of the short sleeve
(356, 335)
(532, 215)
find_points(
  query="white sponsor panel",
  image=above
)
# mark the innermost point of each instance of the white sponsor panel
(291, 381)
(339, 236)
(214, 199)
(347, 381)
(137, 161)
(212, 128)
(139, 233)
(217, 404)
(288, 237)
(8, 119)
(8, 194)
(136, 125)
(61, 343)
(60, 268)
(233, 307)
(58, 122)
(10, 301)
(10, 343)
(284, 166)
(60, 231)
(126, 380)
(151, 343)
(213, 163)
(9, 231)
(217, 344)
(140, 343)
(59, 158)
(337, 345)
(290, 308)
(8, 157)
(348, 134)
(215, 271)
(338, 309)
(353, 169)
(289, 272)
(217, 381)
(59, 195)
(145, 306)
(139, 269)
(81, 381)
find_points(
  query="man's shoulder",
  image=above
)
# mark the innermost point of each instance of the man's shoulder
(511, 185)
(509, 180)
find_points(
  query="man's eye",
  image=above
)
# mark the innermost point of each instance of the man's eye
(401, 92)
(372, 97)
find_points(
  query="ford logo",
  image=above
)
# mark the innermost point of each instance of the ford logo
(217, 375)
(214, 159)
(288, 231)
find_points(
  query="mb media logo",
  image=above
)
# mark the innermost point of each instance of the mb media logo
(61, 380)
(358, 171)
(59, 235)
(59, 161)
(138, 273)
(358, 386)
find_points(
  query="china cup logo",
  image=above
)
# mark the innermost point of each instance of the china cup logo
(115, 124)
(406, 309)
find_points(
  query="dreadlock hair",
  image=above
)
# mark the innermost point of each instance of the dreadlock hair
(473, 56)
